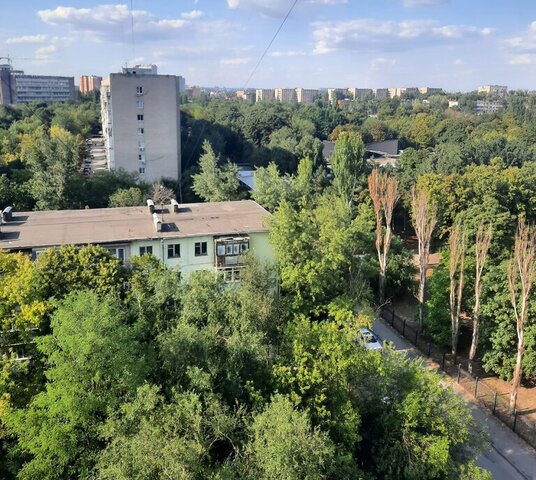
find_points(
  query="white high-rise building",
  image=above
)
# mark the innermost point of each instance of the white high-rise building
(286, 95)
(264, 94)
(141, 122)
(496, 90)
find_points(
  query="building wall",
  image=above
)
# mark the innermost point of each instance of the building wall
(264, 94)
(359, 92)
(43, 88)
(306, 95)
(159, 142)
(381, 92)
(497, 90)
(285, 95)
(88, 83)
(8, 91)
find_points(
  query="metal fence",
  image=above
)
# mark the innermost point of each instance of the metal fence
(497, 403)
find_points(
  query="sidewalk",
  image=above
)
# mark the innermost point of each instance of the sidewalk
(510, 457)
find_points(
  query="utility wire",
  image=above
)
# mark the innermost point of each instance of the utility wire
(270, 44)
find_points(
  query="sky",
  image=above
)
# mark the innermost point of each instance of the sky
(453, 44)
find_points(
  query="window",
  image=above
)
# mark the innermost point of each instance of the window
(229, 249)
(141, 157)
(244, 247)
(141, 170)
(139, 91)
(118, 252)
(140, 131)
(139, 104)
(140, 117)
(148, 250)
(200, 249)
(221, 250)
(174, 250)
(141, 146)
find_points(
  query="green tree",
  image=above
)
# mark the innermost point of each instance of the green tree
(94, 362)
(127, 197)
(347, 163)
(214, 183)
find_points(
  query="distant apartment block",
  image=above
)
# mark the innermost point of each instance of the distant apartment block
(193, 92)
(246, 95)
(88, 83)
(264, 94)
(286, 95)
(381, 92)
(495, 90)
(306, 95)
(485, 107)
(430, 90)
(359, 92)
(141, 122)
(19, 88)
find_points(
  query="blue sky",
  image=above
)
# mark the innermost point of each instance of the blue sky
(454, 44)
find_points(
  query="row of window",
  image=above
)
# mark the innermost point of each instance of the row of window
(232, 248)
(174, 250)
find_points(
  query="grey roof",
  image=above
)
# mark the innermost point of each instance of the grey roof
(119, 225)
(387, 147)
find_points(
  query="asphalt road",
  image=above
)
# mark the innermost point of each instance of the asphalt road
(510, 458)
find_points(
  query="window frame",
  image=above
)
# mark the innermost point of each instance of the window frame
(175, 249)
(201, 249)
(146, 250)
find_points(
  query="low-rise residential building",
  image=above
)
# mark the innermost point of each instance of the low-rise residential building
(196, 236)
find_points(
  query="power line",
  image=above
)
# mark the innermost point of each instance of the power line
(270, 44)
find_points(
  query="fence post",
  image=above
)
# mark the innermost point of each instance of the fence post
(476, 387)
(515, 420)
(443, 363)
(459, 371)
(494, 402)
(404, 328)
(429, 347)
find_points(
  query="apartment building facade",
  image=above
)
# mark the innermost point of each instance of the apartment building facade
(18, 88)
(88, 83)
(264, 94)
(495, 90)
(189, 237)
(306, 95)
(286, 95)
(141, 122)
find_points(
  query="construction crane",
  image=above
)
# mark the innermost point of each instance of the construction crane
(9, 59)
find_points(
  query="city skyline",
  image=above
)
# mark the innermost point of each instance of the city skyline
(324, 43)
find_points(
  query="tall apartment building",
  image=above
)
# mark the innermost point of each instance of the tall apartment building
(381, 92)
(264, 94)
(246, 95)
(485, 107)
(495, 90)
(141, 122)
(425, 90)
(20, 88)
(359, 92)
(285, 95)
(88, 83)
(306, 95)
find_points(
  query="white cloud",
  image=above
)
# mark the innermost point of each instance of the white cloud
(278, 8)
(28, 39)
(525, 42)
(379, 63)
(193, 14)
(45, 54)
(458, 61)
(370, 35)
(521, 60)
(422, 3)
(290, 53)
(111, 22)
(235, 61)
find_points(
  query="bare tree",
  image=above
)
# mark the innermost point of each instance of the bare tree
(424, 220)
(521, 264)
(457, 257)
(483, 240)
(161, 196)
(384, 193)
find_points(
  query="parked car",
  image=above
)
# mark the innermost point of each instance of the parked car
(369, 340)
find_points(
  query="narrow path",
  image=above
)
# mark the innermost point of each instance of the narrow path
(510, 458)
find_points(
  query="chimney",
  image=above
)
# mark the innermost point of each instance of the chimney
(150, 205)
(174, 205)
(157, 222)
(7, 214)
